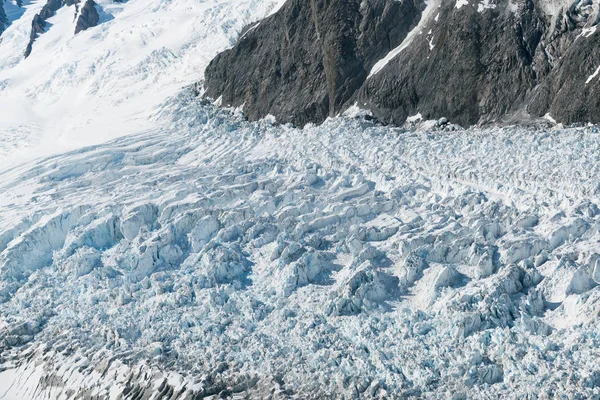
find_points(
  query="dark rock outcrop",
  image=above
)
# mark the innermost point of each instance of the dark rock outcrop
(88, 17)
(571, 92)
(38, 25)
(305, 62)
(3, 18)
(470, 61)
(470, 66)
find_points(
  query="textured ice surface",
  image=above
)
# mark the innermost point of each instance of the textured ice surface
(218, 257)
(207, 256)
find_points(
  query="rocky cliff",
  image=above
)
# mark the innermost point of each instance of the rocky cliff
(472, 62)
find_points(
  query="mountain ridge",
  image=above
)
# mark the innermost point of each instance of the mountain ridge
(470, 62)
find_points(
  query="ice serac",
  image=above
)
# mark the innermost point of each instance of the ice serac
(471, 62)
(305, 62)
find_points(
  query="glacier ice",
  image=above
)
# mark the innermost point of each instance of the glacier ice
(348, 259)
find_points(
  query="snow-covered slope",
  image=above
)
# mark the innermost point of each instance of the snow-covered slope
(107, 81)
(223, 257)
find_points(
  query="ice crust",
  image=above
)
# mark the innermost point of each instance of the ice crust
(219, 256)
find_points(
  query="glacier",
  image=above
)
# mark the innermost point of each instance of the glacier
(221, 257)
(160, 247)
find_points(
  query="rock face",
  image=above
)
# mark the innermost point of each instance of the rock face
(38, 25)
(87, 18)
(3, 18)
(310, 58)
(472, 62)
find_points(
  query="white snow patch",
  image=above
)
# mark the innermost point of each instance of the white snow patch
(592, 76)
(486, 5)
(414, 118)
(110, 80)
(277, 7)
(549, 118)
(587, 32)
(461, 3)
(431, 5)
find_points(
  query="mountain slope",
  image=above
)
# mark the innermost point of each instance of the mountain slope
(472, 62)
(87, 88)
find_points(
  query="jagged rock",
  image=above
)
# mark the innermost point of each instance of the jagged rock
(517, 61)
(3, 18)
(88, 17)
(495, 63)
(38, 25)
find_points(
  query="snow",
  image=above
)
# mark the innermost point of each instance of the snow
(431, 45)
(548, 117)
(189, 251)
(277, 7)
(461, 3)
(587, 32)
(555, 7)
(485, 5)
(93, 87)
(414, 118)
(251, 249)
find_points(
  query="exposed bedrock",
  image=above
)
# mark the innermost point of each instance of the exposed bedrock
(88, 17)
(3, 18)
(472, 62)
(305, 63)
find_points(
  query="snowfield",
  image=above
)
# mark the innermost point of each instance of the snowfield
(186, 253)
(221, 257)
(105, 82)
